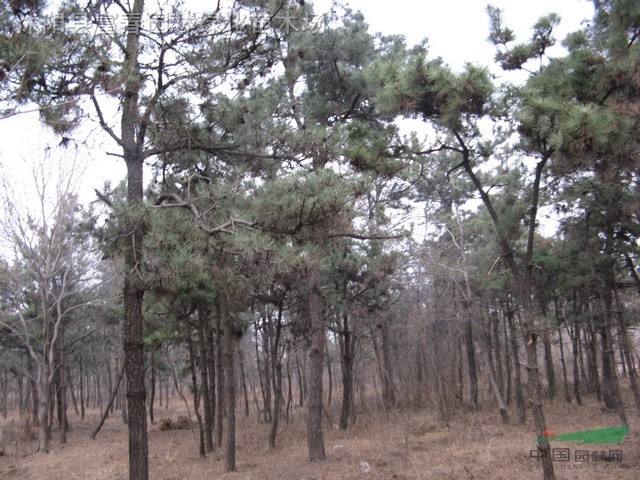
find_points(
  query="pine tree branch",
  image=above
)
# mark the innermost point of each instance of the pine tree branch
(359, 236)
(177, 202)
(102, 121)
(103, 198)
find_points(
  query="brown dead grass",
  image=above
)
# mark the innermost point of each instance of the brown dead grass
(400, 446)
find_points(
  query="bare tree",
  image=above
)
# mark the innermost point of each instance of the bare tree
(49, 277)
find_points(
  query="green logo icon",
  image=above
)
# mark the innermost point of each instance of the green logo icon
(602, 435)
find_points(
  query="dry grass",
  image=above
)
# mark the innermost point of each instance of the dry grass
(401, 446)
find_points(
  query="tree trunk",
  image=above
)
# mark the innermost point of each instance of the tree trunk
(44, 395)
(329, 373)
(260, 370)
(229, 383)
(471, 359)
(533, 386)
(81, 391)
(504, 414)
(61, 393)
(203, 319)
(267, 342)
(632, 270)
(627, 349)
(98, 393)
(548, 360)
(5, 394)
(219, 382)
(244, 382)
(611, 397)
(301, 383)
(522, 409)
(593, 385)
(460, 372)
(152, 386)
(277, 371)
(507, 356)
(109, 375)
(386, 376)
(498, 350)
(196, 398)
(105, 414)
(133, 286)
(33, 391)
(211, 369)
(74, 400)
(347, 351)
(134, 344)
(575, 341)
(124, 410)
(22, 408)
(565, 381)
(289, 387)
(315, 439)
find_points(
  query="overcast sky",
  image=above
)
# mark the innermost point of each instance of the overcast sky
(457, 31)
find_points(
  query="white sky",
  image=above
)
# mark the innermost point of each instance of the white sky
(456, 29)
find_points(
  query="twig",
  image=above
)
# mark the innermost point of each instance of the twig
(494, 264)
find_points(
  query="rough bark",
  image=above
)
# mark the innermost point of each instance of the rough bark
(81, 392)
(61, 392)
(203, 319)
(471, 360)
(211, 370)
(498, 352)
(72, 392)
(277, 371)
(267, 340)
(219, 383)
(196, 398)
(260, 375)
(315, 438)
(287, 411)
(152, 386)
(548, 360)
(347, 353)
(134, 344)
(44, 396)
(575, 342)
(132, 146)
(329, 373)
(243, 377)
(301, 382)
(229, 383)
(522, 409)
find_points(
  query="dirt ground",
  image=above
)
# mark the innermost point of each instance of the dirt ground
(400, 446)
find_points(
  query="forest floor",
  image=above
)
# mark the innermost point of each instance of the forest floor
(401, 446)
